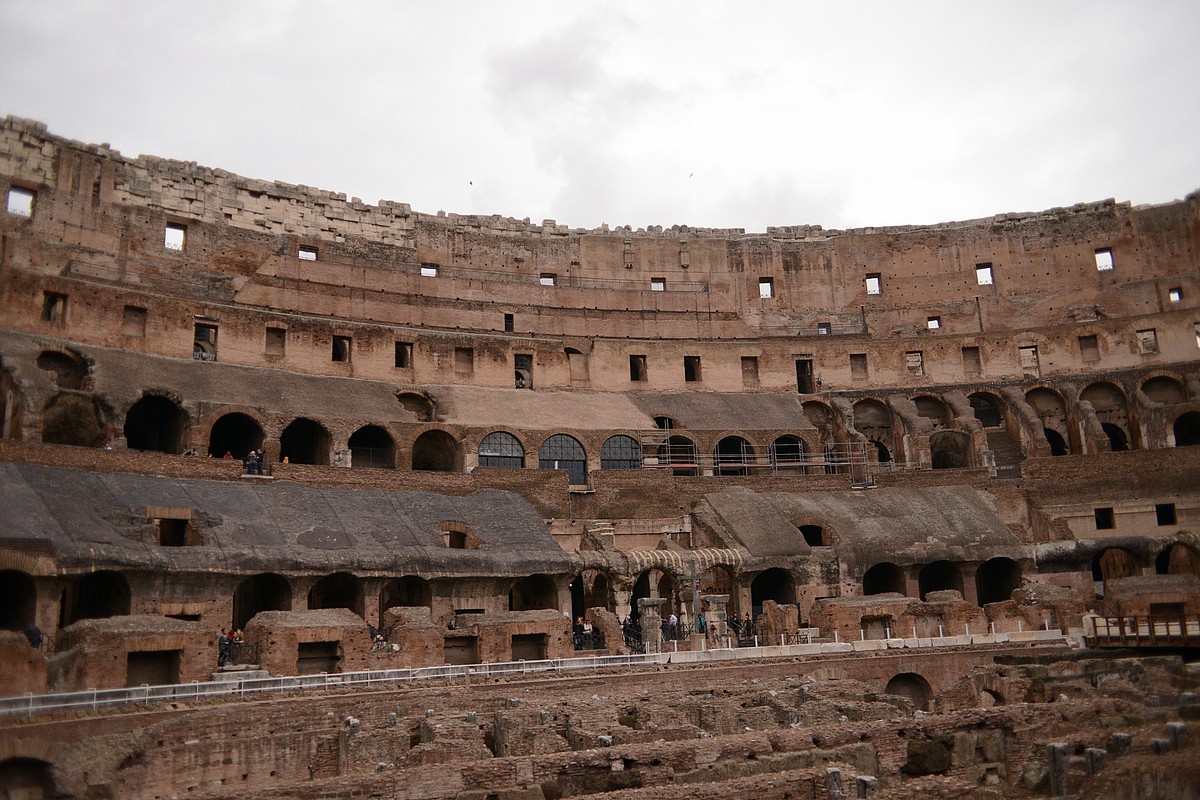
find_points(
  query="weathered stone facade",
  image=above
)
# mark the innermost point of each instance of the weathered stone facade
(477, 435)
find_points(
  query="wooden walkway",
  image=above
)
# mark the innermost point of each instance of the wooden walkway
(1144, 632)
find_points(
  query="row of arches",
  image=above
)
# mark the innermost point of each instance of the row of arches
(995, 579)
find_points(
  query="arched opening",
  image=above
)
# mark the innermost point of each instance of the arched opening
(939, 576)
(437, 451)
(155, 423)
(950, 450)
(561, 451)
(1114, 562)
(883, 578)
(533, 593)
(874, 420)
(1052, 411)
(26, 779)
(788, 454)
(407, 592)
(420, 404)
(641, 589)
(501, 450)
(996, 579)
(621, 452)
(235, 434)
(679, 452)
(987, 410)
(265, 591)
(934, 410)
(1164, 391)
(96, 595)
(1178, 559)
(18, 600)
(305, 441)
(1116, 437)
(339, 590)
(590, 589)
(882, 454)
(668, 590)
(1058, 445)
(814, 535)
(1187, 429)
(912, 686)
(372, 447)
(70, 370)
(74, 419)
(772, 584)
(732, 455)
(665, 423)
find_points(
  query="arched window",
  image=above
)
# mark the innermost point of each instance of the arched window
(732, 455)
(561, 451)
(788, 454)
(621, 452)
(501, 449)
(883, 578)
(372, 446)
(1187, 429)
(435, 451)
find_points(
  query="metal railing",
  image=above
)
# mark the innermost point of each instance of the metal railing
(1147, 631)
(241, 688)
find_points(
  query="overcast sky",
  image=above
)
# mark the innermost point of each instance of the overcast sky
(840, 114)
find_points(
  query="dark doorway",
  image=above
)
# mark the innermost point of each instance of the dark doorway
(155, 423)
(95, 596)
(1117, 439)
(804, 375)
(263, 592)
(236, 434)
(339, 590)
(883, 578)
(372, 446)
(939, 576)
(435, 451)
(18, 600)
(305, 442)
(152, 668)
(772, 584)
(1187, 429)
(533, 593)
(996, 579)
(1058, 445)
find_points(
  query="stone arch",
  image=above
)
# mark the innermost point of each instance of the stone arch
(533, 593)
(1112, 412)
(996, 579)
(372, 446)
(75, 419)
(97, 595)
(421, 404)
(621, 452)
(1114, 562)
(775, 584)
(950, 450)
(668, 589)
(305, 441)
(788, 454)
(409, 591)
(1187, 429)
(27, 779)
(819, 414)
(883, 578)
(236, 433)
(1049, 407)
(70, 369)
(562, 451)
(12, 405)
(591, 588)
(265, 591)
(938, 576)
(913, 686)
(436, 450)
(732, 456)
(156, 423)
(933, 409)
(679, 452)
(18, 600)
(1177, 559)
(1164, 390)
(337, 590)
(874, 420)
(501, 450)
(987, 408)
(666, 423)
(458, 535)
(814, 532)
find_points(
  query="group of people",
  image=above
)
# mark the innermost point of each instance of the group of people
(228, 645)
(253, 462)
(583, 635)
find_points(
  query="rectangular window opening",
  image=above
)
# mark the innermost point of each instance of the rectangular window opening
(691, 369)
(1105, 521)
(174, 236)
(20, 201)
(341, 348)
(204, 342)
(971, 362)
(1089, 349)
(133, 321)
(429, 271)
(858, 366)
(658, 284)
(523, 370)
(54, 307)
(874, 284)
(914, 362)
(306, 253)
(276, 341)
(766, 287)
(548, 279)
(1165, 513)
(1147, 341)
(750, 371)
(933, 323)
(174, 532)
(824, 328)
(404, 352)
(637, 369)
(983, 274)
(1175, 294)
(1104, 259)
(1029, 360)
(509, 323)
(464, 360)
(804, 375)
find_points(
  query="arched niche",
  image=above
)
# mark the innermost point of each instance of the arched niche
(18, 600)
(305, 441)
(1177, 559)
(1051, 409)
(235, 434)
(436, 451)
(939, 576)
(339, 590)
(265, 591)
(155, 423)
(950, 450)
(934, 410)
(371, 446)
(788, 454)
(1112, 412)
(1114, 562)
(775, 584)
(874, 420)
(1164, 390)
(883, 578)
(996, 579)
(912, 686)
(732, 456)
(987, 408)
(27, 779)
(409, 591)
(1187, 429)
(69, 368)
(533, 593)
(96, 595)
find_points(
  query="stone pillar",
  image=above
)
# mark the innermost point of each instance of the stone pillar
(970, 590)
(650, 609)
(622, 589)
(715, 613)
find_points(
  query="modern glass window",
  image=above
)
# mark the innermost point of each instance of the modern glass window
(501, 450)
(561, 451)
(306, 253)
(621, 452)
